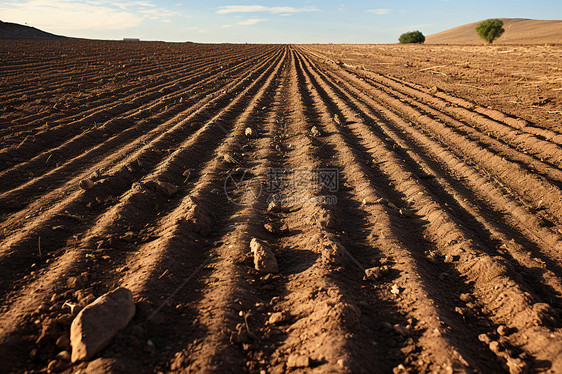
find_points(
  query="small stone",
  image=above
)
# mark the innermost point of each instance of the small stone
(64, 356)
(395, 289)
(164, 188)
(503, 330)
(64, 342)
(494, 346)
(264, 259)
(272, 228)
(333, 252)
(97, 323)
(274, 207)
(199, 218)
(296, 361)
(65, 319)
(433, 90)
(278, 318)
(314, 132)
(517, 366)
(337, 119)
(77, 282)
(250, 132)
(484, 338)
(464, 297)
(86, 184)
(55, 366)
(376, 273)
(401, 329)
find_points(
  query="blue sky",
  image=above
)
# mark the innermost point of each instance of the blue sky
(266, 21)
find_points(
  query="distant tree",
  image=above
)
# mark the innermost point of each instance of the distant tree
(411, 37)
(490, 29)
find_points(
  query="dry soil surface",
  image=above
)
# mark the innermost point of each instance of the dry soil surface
(454, 208)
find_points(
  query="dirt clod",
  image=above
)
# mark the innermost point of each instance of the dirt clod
(86, 184)
(165, 188)
(333, 252)
(376, 273)
(264, 259)
(295, 361)
(278, 318)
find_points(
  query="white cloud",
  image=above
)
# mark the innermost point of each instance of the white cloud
(62, 16)
(260, 8)
(158, 13)
(379, 11)
(67, 16)
(130, 4)
(198, 29)
(251, 21)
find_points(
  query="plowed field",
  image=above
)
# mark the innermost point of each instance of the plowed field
(455, 209)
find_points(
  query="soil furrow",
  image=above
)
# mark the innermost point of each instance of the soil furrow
(117, 180)
(440, 326)
(177, 218)
(151, 98)
(125, 128)
(469, 258)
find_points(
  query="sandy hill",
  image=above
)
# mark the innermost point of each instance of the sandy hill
(517, 31)
(16, 31)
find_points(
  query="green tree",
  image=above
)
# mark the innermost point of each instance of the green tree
(411, 37)
(490, 29)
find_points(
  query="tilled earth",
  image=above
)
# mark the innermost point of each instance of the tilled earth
(445, 215)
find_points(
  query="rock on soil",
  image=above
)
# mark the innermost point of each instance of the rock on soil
(333, 252)
(165, 188)
(86, 184)
(97, 323)
(250, 132)
(376, 273)
(198, 217)
(264, 259)
(296, 361)
(314, 132)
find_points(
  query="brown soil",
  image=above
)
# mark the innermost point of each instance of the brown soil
(517, 31)
(521, 81)
(454, 206)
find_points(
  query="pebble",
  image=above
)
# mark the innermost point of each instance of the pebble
(264, 259)
(278, 318)
(376, 272)
(297, 361)
(314, 132)
(64, 342)
(503, 330)
(249, 132)
(64, 356)
(517, 366)
(484, 338)
(86, 184)
(333, 252)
